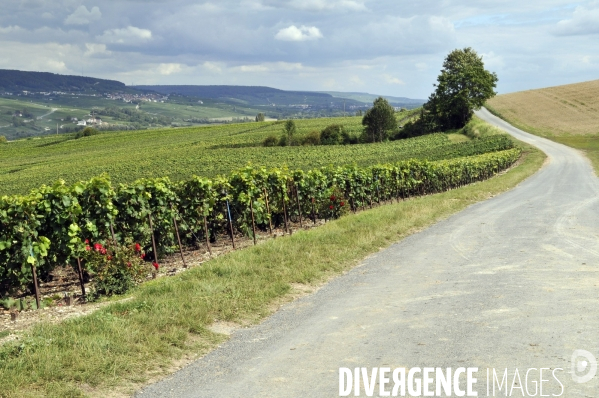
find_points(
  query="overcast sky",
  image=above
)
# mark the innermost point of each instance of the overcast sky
(391, 47)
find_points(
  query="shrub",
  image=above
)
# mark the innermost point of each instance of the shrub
(286, 141)
(271, 140)
(336, 206)
(3, 139)
(86, 132)
(115, 269)
(313, 138)
(349, 139)
(332, 135)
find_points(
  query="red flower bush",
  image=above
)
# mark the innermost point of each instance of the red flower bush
(115, 268)
(336, 207)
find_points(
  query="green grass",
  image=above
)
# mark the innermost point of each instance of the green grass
(126, 343)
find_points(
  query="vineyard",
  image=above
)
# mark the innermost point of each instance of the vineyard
(52, 226)
(184, 152)
(109, 201)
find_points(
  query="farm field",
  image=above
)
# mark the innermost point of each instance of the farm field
(205, 151)
(566, 114)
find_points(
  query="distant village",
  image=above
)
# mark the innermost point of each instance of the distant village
(148, 97)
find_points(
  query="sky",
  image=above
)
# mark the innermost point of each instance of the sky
(388, 47)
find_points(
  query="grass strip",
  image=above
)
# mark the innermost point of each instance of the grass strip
(125, 344)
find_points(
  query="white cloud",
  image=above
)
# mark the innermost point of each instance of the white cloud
(83, 16)
(492, 61)
(128, 35)
(393, 80)
(207, 7)
(317, 5)
(252, 68)
(95, 49)
(212, 67)
(169, 69)
(356, 80)
(48, 57)
(583, 22)
(10, 29)
(303, 33)
(272, 67)
(321, 5)
(56, 65)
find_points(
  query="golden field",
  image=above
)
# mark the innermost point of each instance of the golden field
(571, 109)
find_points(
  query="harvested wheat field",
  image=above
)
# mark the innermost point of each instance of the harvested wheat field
(561, 110)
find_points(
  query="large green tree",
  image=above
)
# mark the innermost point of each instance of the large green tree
(379, 121)
(462, 87)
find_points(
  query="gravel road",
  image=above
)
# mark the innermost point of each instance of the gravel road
(509, 283)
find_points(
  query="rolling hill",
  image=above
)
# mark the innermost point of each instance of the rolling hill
(18, 81)
(404, 102)
(566, 114)
(251, 95)
(571, 109)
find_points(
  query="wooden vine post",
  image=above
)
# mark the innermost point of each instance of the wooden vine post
(268, 211)
(253, 220)
(299, 208)
(230, 223)
(207, 233)
(113, 235)
(284, 210)
(80, 274)
(178, 238)
(36, 288)
(80, 269)
(153, 241)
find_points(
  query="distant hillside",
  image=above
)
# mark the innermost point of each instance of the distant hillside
(258, 95)
(569, 109)
(250, 95)
(369, 98)
(17, 81)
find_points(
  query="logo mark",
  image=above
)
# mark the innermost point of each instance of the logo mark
(579, 366)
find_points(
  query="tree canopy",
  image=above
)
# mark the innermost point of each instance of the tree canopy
(379, 121)
(462, 87)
